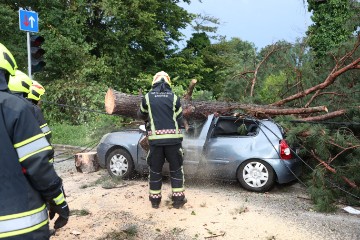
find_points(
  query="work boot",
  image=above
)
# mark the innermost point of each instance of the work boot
(178, 199)
(155, 200)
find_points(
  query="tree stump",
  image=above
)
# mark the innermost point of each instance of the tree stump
(86, 162)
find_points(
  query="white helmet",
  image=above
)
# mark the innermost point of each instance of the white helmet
(159, 76)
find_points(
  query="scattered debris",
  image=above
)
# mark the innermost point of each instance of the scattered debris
(351, 210)
(76, 233)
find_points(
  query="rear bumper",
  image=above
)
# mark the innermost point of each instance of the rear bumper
(288, 170)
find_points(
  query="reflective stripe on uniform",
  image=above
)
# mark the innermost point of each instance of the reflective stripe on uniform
(175, 115)
(155, 191)
(165, 136)
(152, 125)
(45, 129)
(59, 199)
(20, 223)
(31, 148)
(178, 189)
(142, 108)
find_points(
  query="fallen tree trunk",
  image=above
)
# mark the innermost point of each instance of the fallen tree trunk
(127, 105)
(86, 162)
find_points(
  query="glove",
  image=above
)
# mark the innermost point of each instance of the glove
(62, 210)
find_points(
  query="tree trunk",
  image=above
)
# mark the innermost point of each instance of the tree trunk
(127, 105)
(122, 103)
(86, 162)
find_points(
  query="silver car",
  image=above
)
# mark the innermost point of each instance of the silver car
(254, 152)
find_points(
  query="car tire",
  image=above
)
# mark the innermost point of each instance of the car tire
(256, 175)
(119, 163)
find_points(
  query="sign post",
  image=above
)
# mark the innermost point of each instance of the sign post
(29, 22)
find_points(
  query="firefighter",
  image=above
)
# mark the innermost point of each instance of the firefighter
(22, 86)
(34, 95)
(28, 180)
(162, 110)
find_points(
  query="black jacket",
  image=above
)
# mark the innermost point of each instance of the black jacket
(162, 109)
(26, 175)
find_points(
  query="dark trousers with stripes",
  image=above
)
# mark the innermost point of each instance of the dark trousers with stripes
(156, 159)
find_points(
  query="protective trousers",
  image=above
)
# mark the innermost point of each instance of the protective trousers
(156, 159)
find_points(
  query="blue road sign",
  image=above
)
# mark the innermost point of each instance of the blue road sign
(28, 21)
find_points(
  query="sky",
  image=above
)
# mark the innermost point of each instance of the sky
(261, 22)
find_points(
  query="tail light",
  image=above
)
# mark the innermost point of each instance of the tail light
(285, 152)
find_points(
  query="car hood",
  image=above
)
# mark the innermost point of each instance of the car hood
(122, 137)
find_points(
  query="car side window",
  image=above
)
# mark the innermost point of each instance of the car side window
(233, 127)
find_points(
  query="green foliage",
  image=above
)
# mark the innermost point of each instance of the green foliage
(335, 21)
(82, 212)
(336, 147)
(321, 192)
(86, 134)
(272, 88)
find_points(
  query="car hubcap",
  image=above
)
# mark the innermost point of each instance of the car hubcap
(119, 165)
(255, 174)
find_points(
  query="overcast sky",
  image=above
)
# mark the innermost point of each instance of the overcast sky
(262, 22)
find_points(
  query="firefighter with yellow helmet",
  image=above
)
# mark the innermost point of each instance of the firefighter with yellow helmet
(161, 108)
(21, 85)
(34, 95)
(28, 180)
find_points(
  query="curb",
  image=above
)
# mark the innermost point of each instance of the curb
(67, 147)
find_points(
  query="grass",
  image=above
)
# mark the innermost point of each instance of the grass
(128, 233)
(105, 181)
(81, 135)
(82, 212)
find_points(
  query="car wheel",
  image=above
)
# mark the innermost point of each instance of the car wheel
(119, 163)
(256, 175)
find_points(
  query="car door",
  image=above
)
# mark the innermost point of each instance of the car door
(227, 146)
(193, 145)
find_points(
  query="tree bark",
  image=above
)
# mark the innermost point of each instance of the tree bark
(86, 162)
(128, 105)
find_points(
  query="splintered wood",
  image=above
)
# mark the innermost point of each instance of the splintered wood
(86, 162)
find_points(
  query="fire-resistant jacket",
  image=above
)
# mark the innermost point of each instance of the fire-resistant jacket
(162, 108)
(26, 175)
(38, 115)
(42, 122)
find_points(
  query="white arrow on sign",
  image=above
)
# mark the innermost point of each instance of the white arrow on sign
(32, 20)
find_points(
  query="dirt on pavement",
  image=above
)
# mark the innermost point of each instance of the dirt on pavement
(104, 209)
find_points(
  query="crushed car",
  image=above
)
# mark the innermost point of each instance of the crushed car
(251, 151)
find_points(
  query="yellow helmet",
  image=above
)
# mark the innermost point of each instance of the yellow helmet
(7, 61)
(36, 91)
(20, 82)
(161, 75)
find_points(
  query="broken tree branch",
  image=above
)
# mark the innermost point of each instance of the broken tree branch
(326, 116)
(331, 169)
(189, 92)
(330, 79)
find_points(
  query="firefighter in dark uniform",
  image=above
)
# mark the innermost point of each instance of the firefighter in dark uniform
(162, 110)
(28, 180)
(22, 86)
(36, 91)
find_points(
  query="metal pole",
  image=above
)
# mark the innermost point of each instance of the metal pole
(29, 54)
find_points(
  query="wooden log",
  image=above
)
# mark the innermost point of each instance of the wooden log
(86, 162)
(122, 103)
(128, 105)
